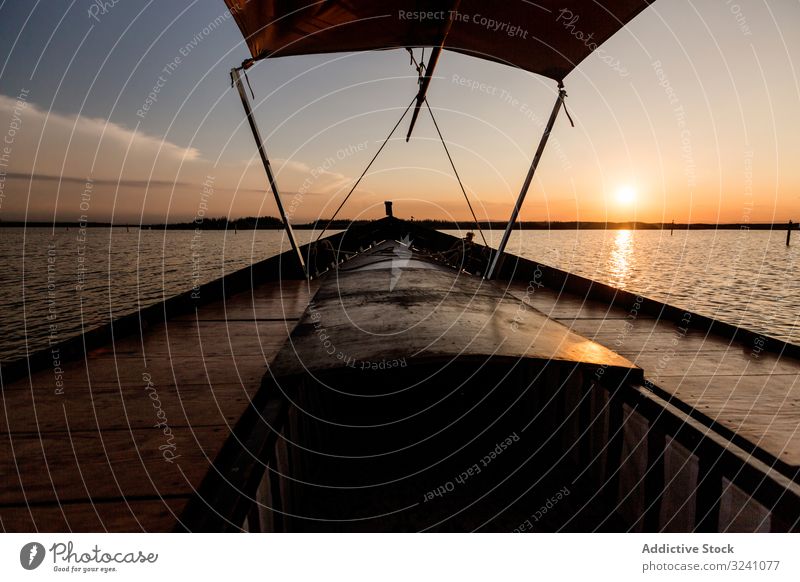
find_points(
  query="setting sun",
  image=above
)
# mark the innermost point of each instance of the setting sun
(626, 195)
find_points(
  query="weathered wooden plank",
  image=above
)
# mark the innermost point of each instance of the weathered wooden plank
(55, 467)
(562, 305)
(763, 409)
(186, 353)
(206, 338)
(90, 434)
(692, 342)
(124, 406)
(130, 369)
(733, 361)
(614, 327)
(152, 515)
(752, 393)
(277, 300)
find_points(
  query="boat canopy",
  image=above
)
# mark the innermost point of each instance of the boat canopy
(546, 37)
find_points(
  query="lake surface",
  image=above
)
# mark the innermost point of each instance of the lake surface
(54, 284)
(747, 278)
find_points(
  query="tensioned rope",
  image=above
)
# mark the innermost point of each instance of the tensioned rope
(388, 137)
(420, 67)
(452, 165)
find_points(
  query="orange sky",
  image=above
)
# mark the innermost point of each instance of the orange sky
(699, 125)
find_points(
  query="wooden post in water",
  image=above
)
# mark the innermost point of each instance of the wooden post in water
(671, 228)
(789, 233)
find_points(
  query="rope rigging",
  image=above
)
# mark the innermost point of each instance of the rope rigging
(388, 137)
(452, 165)
(419, 66)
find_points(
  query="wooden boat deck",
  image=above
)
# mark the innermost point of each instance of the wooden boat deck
(94, 457)
(390, 303)
(748, 395)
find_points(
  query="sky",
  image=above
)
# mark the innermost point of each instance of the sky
(125, 113)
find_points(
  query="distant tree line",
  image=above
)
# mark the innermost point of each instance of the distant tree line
(590, 225)
(273, 223)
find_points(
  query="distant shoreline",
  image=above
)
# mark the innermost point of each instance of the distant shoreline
(272, 223)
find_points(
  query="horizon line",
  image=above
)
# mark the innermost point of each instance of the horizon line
(276, 223)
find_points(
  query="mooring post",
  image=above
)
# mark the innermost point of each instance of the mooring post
(671, 228)
(789, 233)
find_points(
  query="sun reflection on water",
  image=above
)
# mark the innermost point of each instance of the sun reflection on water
(619, 262)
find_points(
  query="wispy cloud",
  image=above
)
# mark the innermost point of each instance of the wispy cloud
(102, 182)
(133, 173)
(318, 179)
(47, 142)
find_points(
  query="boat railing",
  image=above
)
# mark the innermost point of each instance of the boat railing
(649, 463)
(666, 471)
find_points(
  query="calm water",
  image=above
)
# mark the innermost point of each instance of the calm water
(747, 278)
(52, 284)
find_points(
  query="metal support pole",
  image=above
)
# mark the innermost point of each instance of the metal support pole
(423, 88)
(426, 80)
(528, 179)
(236, 77)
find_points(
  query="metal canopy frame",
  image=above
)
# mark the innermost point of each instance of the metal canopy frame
(236, 79)
(434, 58)
(562, 93)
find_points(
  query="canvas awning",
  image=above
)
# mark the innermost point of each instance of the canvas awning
(544, 36)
